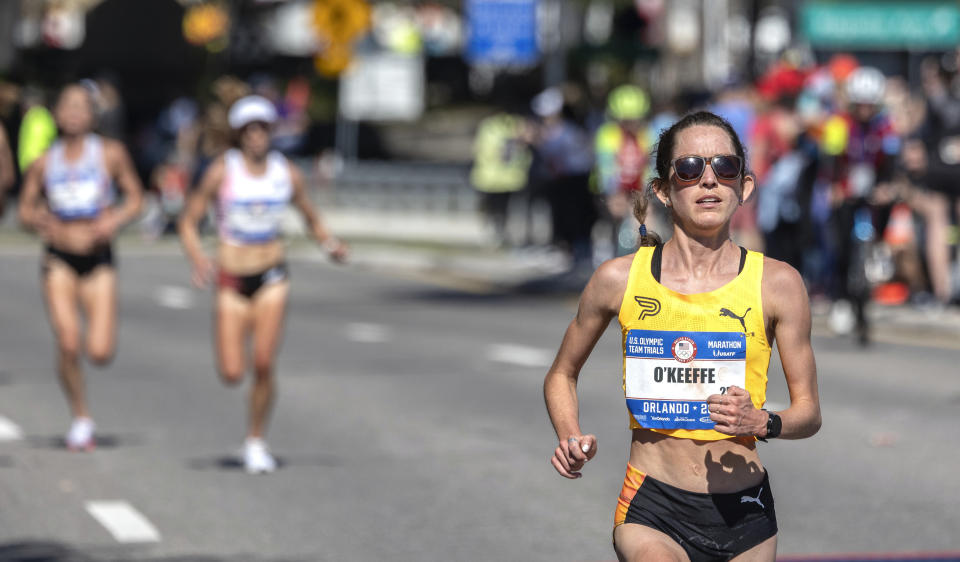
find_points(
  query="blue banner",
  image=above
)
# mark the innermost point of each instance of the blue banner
(502, 32)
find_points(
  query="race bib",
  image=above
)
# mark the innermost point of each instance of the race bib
(669, 375)
(254, 221)
(75, 198)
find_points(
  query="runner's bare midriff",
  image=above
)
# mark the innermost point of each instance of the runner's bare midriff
(727, 465)
(249, 259)
(75, 237)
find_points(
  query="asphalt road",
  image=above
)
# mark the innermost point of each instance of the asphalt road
(410, 426)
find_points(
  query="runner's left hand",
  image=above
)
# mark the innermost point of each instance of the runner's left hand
(733, 413)
(105, 227)
(337, 250)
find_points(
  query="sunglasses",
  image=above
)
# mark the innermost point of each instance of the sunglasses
(691, 168)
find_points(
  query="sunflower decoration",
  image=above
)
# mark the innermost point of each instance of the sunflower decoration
(338, 23)
(206, 25)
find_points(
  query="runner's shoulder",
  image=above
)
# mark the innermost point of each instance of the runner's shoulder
(781, 281)
(616, 269)
(112, 147)
(611, 277)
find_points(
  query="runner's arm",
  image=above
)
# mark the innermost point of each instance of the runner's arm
(7, 175)
(301, 200)
(789, 309)
(599, 303)
(33, 215)
(194, 210)
(126, 178)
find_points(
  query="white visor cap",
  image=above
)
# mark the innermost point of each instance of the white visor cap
(250, 109)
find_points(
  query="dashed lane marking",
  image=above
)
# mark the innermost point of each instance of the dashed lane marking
(367, 333)
(9, 431)
(126, 524)
(172, 296)
(520, 355)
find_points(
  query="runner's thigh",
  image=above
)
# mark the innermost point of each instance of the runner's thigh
(98, 295)
(269, 310)
(636, 543)
(60, 288)
(231, 324)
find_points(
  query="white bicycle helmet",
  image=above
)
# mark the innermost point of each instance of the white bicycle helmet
(866, 85)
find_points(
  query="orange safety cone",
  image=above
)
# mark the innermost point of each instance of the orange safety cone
(900, 227)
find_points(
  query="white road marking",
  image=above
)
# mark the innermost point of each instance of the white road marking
(171, 296)
(367, 333)
(522, 355)
(9, 431)
(125, 523)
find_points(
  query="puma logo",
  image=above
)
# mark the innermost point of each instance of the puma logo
(648, 306)
(728, 313)
(756, 500)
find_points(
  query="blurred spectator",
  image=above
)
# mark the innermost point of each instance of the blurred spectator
(773, 135)
(735, 103)
(622, 148)
(861, 147)
(111, 113)
(215, 133)
(37, 128)
(501, 166)
(783, 202)
(562, 172)
(7, 172)
(290, 130)
(177, 135)
(932, 159)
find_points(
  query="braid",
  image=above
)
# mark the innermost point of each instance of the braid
(641, 202)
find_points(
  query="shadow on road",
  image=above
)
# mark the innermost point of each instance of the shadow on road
(549, 287)
(39, 551)
(50, 551)
(104, 441)
(230, 463)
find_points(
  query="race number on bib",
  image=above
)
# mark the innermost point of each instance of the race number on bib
(254, 221)
(75, 198)
(669, 375)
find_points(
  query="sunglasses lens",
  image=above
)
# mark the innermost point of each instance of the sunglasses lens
(689, 168)
(726, 167)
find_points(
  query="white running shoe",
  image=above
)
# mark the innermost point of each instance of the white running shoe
(257, 458)
(80, 437)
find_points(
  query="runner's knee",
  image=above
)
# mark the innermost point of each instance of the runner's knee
(231, 374)
(100, 354)
(69, 348)
(263, 365)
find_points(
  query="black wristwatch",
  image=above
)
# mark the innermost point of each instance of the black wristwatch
(774, 425)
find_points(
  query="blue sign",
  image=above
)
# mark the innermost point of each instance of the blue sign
(502, 32)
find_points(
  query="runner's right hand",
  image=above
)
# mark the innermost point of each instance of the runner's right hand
(203, 271)
(47, 225)
(571, 454)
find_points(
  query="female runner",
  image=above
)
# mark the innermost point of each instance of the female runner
(68, 199)
(698, 317)
(252, 187)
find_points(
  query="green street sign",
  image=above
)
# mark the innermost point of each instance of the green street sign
(881, 25)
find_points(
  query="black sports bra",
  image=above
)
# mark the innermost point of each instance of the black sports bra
(657, 258)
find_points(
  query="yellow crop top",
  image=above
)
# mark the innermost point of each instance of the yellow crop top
(678, 349)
